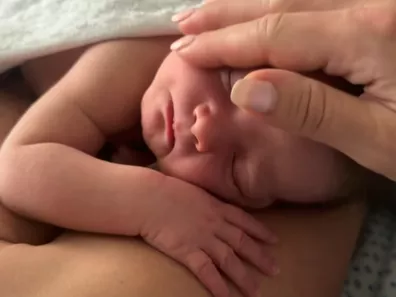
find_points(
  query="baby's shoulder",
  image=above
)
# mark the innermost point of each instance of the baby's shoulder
(44, 72)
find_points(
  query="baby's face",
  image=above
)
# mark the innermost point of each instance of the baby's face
(198, 135)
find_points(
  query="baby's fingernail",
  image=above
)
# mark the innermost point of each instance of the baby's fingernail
(183, 15)
(260, 96)
(182, 43)
(274, 269)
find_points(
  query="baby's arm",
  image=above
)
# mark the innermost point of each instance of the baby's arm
(47, 173)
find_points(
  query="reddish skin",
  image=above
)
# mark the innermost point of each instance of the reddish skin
(226, 150)
(93, 103)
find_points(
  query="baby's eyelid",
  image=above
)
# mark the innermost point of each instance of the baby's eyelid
(225, 76)
(237, 74)
(229, 82)
(233, 173)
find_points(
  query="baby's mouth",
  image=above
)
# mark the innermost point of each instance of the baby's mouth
(169, 124)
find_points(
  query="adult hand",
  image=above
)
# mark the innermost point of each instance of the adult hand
(209, 236)
(354, 39)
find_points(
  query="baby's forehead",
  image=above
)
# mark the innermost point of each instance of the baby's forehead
(231, 75)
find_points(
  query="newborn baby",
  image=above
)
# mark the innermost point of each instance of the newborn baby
(50, 171)
(200, 136)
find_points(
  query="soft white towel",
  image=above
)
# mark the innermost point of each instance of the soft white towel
(33, 28)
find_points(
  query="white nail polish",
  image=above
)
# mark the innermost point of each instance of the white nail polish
(260, 96)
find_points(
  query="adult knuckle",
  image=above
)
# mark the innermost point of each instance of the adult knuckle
(311, 108)
(270, 25)
(380, 20)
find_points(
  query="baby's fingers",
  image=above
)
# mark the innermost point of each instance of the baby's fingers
(248, 224)
(247, 248)
(232, 266)
(205, 270)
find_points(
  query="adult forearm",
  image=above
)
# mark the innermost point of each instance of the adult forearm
(67, 188)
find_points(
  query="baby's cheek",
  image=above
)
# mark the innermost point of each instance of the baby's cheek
(313, 176)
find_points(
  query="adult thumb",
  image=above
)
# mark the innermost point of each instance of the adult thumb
(315, 110)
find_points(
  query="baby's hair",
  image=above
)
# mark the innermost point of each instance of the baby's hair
(15, 98)
(12, 82)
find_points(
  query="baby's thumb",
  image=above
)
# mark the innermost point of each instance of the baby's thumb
(309, 108)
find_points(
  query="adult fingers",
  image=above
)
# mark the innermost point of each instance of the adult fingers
(247, 248)
(361, 129)
(218, 14)
(279, 40)
(232, 266)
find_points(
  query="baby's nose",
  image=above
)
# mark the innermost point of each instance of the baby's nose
(204, 129)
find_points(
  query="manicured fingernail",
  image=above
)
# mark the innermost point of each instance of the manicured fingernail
(183, 15)
(260, 96)
(182, 43)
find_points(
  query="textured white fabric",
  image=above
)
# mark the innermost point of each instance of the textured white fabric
(33, 28)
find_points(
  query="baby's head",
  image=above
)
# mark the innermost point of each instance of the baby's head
(200, 136)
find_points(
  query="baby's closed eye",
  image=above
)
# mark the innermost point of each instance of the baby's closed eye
(230, 76)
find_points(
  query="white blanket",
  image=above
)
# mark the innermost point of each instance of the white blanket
(34, 28)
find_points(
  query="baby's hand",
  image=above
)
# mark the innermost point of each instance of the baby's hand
(206, 234)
